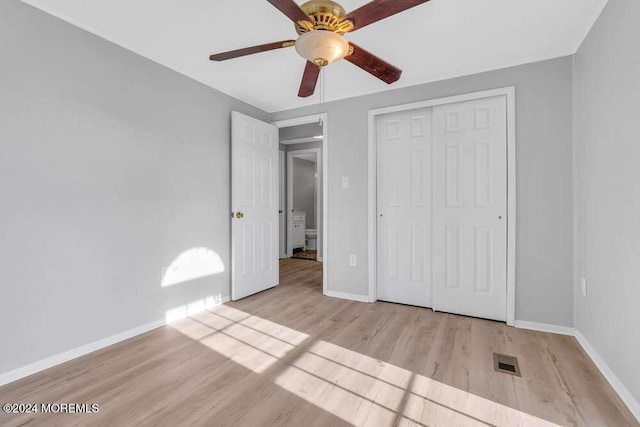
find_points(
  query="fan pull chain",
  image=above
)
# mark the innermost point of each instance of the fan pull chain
(321, 96)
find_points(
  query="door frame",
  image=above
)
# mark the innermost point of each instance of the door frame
(282, 204)
(303, 120)
(290, 155)
(509, 93)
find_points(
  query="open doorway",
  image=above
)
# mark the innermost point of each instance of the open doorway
(304, 201)
(302, 187)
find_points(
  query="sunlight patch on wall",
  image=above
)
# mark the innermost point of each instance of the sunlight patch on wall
(192, 264)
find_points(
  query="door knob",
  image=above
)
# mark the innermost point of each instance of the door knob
(280, 211)
(239, 215)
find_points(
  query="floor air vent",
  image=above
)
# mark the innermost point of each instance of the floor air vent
(506, 364)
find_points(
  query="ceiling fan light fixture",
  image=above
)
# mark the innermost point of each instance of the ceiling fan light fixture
(322, 47)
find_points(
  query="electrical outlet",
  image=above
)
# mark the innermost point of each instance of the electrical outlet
(353, 260)
(583, 286)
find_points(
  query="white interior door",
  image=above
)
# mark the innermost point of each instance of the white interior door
(470, 208)
(254, 202)
(404, 207)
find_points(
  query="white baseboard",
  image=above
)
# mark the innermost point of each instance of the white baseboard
(49, 362)
(618, 386)
(352, 297)
(545, 327)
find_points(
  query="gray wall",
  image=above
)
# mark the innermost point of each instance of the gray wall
(304, 189)
(111, 166)
(607, 148)
(301, 146)
(300, 131)
(544, 182)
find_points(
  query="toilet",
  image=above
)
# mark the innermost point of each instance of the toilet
(311, 237)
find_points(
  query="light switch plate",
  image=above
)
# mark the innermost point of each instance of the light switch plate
(353, 260)
(583, 286)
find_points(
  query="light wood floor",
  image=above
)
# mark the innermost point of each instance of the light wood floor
(290, 356)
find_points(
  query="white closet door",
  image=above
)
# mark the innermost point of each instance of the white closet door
(470, 208)
(254, 200)
(404, 207)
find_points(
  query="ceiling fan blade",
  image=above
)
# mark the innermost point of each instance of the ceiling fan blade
(251, 50)
(373, 65)
(309, 80)
(291, 9)
(378, 10)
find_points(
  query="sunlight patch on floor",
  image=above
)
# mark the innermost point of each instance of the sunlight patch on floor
(436, 403)
(231, 313)
(239, 352)
(345, 383)
(275, 330)
(354, 387)
(366, 386)
(334, 399)
(192, 328)
(263, 342)
(212, 320)
(380, 370)
(192, 308)
(248, 340)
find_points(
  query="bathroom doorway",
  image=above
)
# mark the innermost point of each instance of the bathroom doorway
(304, 184)
(301, 201)
(303, 160)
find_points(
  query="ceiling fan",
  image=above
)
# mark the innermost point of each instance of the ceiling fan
(321, 25)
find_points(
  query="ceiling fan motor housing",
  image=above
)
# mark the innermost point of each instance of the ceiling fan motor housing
(326, 15)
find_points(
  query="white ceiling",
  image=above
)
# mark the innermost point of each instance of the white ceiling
(437, 40)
